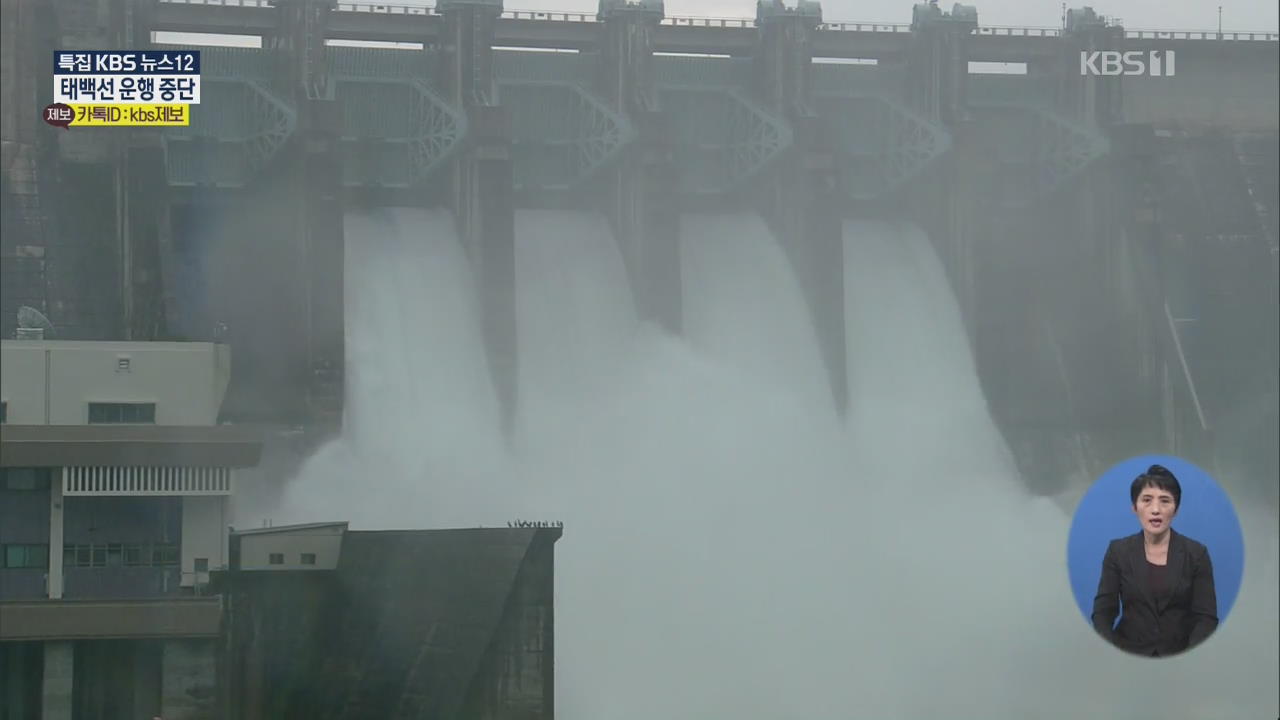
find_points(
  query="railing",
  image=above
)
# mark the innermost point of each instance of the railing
(1199, 35)
(865, 27)
(677, 21)
(740, 22)
(552, 16)
(1003, 31)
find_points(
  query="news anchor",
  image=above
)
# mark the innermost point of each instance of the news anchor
(1163, 580)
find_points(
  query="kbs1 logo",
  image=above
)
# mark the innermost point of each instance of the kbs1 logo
(1153, 63)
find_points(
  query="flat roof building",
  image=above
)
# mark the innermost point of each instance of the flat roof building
(312, 546)
(124, 593)
(114, 483)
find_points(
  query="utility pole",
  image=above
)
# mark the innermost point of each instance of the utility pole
(1219, 22)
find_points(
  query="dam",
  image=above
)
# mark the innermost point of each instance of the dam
(717, 293)
(640, 118)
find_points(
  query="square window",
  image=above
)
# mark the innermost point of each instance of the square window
(308, 558)
(82, 555)
(202, 565)
(133, 555)
(276, 558)
(164, 555)
(114, 553)
(99, 556)
(25, 556)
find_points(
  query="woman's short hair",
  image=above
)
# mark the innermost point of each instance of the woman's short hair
(1159, 477)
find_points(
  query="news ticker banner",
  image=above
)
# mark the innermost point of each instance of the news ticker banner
(124, 88)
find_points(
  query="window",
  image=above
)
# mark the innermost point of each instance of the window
(133, 556)
(26, 556)
(162, 555)
(202, 565)
(308, 558)
(122, 413)
(25, 479)
(276, 558)
(116, 555)
(4, 412)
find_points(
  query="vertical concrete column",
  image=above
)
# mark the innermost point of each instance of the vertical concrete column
(188, 680)
(482, 182)
(800, 200)
(146, 678)
(26, 31)
(109, 286)
(59, 673)
(1091, 99)
(141, 200)
(640, 198)
(1105, 241)
(143, 212)
(54, 583)
(938, 66)
(937, 73)
(316, 201)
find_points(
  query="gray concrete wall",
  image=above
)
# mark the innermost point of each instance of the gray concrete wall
(416, 624)
(516, 678)
(22, 584)
(186, 381)
(120, 582)
(324, 542)
(116, 679)
(21, 679)
(1207, 91)
(188, 685)
(59, 676)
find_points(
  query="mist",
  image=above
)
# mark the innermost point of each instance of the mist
(732, 548)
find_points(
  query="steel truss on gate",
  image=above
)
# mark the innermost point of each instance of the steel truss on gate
(564, 134)
(1037, 151)
(880, 144)
(723, 137)
(238, 127)
(395, 132)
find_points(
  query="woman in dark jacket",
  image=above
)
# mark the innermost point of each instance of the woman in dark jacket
(1163, 580)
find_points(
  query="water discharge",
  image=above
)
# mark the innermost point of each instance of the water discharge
(732, 549)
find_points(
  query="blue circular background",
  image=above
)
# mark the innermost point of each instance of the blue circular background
(1204, 515)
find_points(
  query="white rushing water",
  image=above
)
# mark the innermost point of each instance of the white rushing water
(733, 549)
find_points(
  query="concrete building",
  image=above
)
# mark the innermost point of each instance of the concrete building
(413, 624)
(68, 382)
(314, 546)
(114, 483)
(124, 593)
